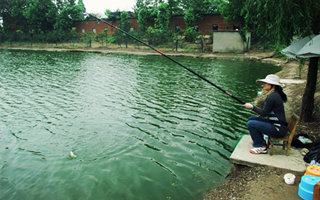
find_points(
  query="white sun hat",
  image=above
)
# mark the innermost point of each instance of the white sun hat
(270, 79)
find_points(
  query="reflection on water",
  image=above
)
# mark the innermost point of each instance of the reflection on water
(141, 127)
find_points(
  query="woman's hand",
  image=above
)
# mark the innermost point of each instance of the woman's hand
(248, 105)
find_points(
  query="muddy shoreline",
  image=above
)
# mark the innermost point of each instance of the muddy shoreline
(253, 55)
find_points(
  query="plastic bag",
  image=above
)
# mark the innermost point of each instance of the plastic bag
(313, 154)
(301, 141)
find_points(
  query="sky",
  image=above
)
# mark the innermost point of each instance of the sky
(99, 6)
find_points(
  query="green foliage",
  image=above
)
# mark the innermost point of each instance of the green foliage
(197, 6)
(124, 21)
(87, 38)
(67, 16)
(153, 19)
(274, 23)
(216, 6)
(102, 37)
(113, 16)
(111, 39)
(271, 23)
(189, 18)
(154, 16)
(40, 15)
(191, 34)
(157, 36)
(53, 36)
(73, 34)
(120, 37)
(143, 18)
(40, 20)
(81, 5)
(175, 8)
(163, 17)
(145, 4)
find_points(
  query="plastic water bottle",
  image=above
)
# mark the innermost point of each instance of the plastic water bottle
(265, 137)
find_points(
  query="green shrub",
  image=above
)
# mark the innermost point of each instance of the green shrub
(191, 34)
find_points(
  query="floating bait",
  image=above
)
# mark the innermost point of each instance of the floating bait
(71, 154)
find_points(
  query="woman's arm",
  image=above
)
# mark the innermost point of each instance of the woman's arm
(267, 108)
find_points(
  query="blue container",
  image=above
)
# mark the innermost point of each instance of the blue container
(306, 186)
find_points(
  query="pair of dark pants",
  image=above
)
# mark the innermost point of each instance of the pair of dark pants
(257, 127)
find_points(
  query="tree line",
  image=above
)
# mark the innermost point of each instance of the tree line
(51, 20)
(153, 18)
(272, 23)
(39, 20)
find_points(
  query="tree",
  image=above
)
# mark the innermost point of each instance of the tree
(143, 19)
(190, 32)
(198, 7)
(40, 16)
(120, 37)
(69, 13)
(12, 13)
(174, 7)
(153, 19)
(87, 38)
(163, 17)
(124, 21)
(272, 23)
(102, 37)
(113, 16)
(81, 5)
(43, 20)
(144, 4)
(311, 12)
(308, 96)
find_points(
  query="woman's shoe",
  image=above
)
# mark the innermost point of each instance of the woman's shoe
(259, 150)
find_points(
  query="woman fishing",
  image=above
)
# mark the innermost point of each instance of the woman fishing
(271, 120)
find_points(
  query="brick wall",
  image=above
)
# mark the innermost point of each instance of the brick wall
(205, 25)
(88, 26)
(177, 21)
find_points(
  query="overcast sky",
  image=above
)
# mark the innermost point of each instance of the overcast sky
(99, 6)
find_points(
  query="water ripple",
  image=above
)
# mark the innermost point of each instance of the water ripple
(129, 119)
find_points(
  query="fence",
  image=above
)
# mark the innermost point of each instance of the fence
(201, 45)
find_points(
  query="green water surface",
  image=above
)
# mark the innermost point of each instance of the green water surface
(140, 126)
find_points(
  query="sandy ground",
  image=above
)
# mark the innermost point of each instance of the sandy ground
(261, 182)
(244, 182)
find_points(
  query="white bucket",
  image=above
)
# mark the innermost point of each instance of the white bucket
(289, 178)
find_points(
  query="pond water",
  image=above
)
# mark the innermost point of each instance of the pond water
(140, 126)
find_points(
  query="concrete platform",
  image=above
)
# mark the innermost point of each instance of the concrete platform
(241, 155)
(293, 81)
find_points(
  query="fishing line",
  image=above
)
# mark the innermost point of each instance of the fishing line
(168, 57)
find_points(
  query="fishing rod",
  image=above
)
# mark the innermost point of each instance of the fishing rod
(168, 57)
